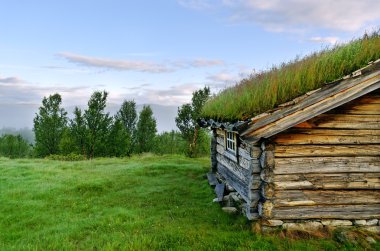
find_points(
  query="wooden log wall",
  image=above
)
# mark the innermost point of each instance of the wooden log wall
(327, 167)
(240, 171)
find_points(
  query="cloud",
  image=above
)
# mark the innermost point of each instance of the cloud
(223, 77)
(174, 95)
(126, 65)
(14, 90)
(301, 15)
(329, 40)
(10, 80)
(140, 66)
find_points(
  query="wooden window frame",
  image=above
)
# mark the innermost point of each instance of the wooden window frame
(231, 142)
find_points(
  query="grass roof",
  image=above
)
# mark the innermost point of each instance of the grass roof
(266, 90)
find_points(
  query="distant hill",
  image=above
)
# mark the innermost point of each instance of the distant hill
(21, 116)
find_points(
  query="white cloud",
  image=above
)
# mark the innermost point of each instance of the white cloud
(328, 40)
(10, 80)
(126, 65)
(302, 15)
(141, 66)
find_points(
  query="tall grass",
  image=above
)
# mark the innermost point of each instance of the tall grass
(266, 90)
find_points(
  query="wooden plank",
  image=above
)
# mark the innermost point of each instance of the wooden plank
(303, 136)
(344, 212)
(212, 181)
(251, 165)
(357, 107)
(242, 187)
(319, 102)
(239, 171)
(219, 191)
(220, 133)
(327, 181)
(220, 140)
(327, 165)
(289, 198)
(326, 150)
(342, 121)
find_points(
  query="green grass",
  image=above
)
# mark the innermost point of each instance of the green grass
(264, 91)
(142, 203)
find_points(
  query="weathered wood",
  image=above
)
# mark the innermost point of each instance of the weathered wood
(321, 101)
(220, 140)
(213, 151)
(220, 133)
(326, 150)
(301, 136)
(212, 181)
(327, 181)
(219, 191)
(357, 109)
(250, 165)
(342, 121)
(327, 165)
(241, 186)
(345, 212)
(284, 198)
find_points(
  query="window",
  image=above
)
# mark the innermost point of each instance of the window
(231, 141)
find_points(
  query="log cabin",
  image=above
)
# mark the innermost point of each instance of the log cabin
(311, 162)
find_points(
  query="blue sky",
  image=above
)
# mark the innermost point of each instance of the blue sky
(159, 52)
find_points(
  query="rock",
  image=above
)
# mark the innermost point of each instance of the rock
(370, 240)
(215, 200)
(360, 222)
(307, 226)
(337, 223)
(372, 222)
(272, 223)
(230, 188)
(230, 210)
(372, 229)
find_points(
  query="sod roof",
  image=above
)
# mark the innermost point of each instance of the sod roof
(267, 90)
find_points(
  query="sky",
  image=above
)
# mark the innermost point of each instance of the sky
(159, 51)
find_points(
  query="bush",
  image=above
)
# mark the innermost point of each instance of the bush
(12, 146)
(68, 157)
(169, 143)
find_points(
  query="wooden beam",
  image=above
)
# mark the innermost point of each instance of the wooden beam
(327, 165)
(326, 181)
(326, 150)
(302, 136)
(345, 212)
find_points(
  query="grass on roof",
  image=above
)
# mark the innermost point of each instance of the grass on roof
(266, 90)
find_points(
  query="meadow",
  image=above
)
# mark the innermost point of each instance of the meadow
(145, 202)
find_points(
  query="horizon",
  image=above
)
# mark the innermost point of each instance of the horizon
(160, 52)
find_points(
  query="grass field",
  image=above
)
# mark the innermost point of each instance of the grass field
(141, 203)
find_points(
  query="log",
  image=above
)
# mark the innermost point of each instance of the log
(220, 141)
(357, 109)
(342, 121)
(326, 150)
(289, 198)
(327, 181)
(301, 136)
(326, 165)
(344, 212)
(241, 186)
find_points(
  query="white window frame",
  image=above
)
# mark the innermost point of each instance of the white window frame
(231, 142)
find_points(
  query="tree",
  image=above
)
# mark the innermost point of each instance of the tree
(98, 123)
(128, 116)
(14, 146)
(146, 130)
(187, 120)
(119, 140)
(49, 125)
(78, 132)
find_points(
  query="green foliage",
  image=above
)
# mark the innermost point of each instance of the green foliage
(14, 146)
(187, 122)
(266, 90)
(49, 125)
(119, 140)
(67, 157)
(146, 130)
(98, 123)
(139, 203)
(169, 143)
(78, 132)
(128, 115)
